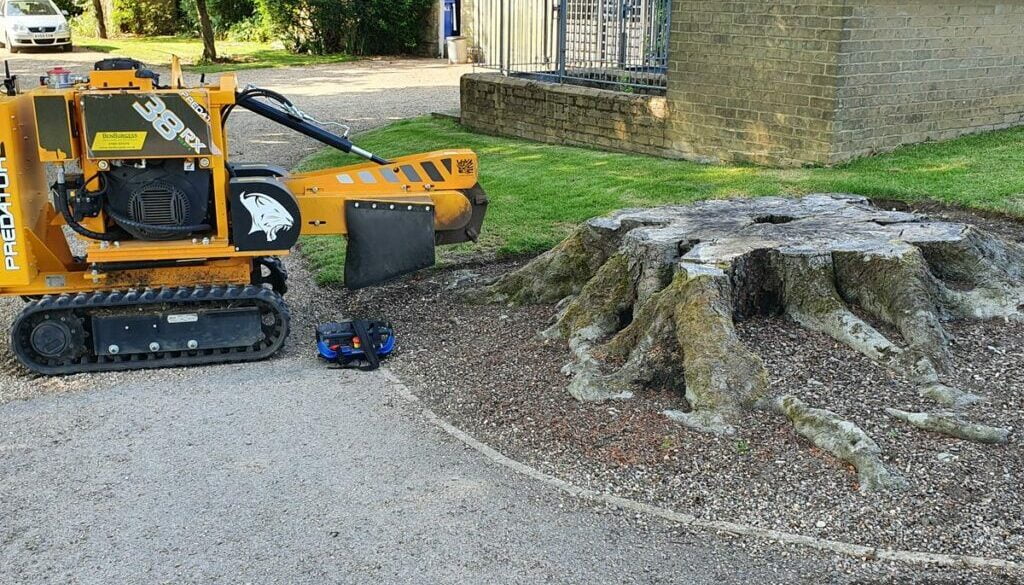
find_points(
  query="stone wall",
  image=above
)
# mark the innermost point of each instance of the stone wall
(565, 114)
(917, 71)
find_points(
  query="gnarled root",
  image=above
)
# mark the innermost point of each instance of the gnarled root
(893, 283)
(843, 439)
(810, 298)
(722, 376)
(952, 425)
(566, 268)
(688, 323)
(948, 396)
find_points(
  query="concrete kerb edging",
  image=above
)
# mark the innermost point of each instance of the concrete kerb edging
(732, 528)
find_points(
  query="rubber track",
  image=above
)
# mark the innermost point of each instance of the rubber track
(185, 298)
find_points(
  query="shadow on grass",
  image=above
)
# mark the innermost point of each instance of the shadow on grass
(99, 48)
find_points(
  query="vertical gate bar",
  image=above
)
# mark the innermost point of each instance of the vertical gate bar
(561, 39)
(501, 35)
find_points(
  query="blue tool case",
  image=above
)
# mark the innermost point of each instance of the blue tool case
(358, 344)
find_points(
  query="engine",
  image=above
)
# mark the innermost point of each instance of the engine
(158, 201)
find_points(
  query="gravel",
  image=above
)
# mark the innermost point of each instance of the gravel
(483, 368)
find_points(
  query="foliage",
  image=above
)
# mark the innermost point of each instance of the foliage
(69, 6)
(224, 14)
(359, 27)
(540, 191)
(146, 17)
(253, 28)
(317, 27)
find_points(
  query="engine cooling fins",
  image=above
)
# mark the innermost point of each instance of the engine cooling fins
(152, 328)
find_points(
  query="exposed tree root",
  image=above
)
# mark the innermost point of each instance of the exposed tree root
(952, 425)
(948, 396)
(810, 298)
(842, 439)
(893, 283)
(650, 296)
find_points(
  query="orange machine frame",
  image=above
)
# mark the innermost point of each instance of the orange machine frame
(37, 256)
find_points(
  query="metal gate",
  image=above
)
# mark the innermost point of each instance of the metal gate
(612, 44)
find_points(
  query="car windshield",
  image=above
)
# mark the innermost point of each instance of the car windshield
(30, 8)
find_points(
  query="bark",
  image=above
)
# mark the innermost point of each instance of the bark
(953, 425)
(101, 22)
(844, 440)
(206, 31)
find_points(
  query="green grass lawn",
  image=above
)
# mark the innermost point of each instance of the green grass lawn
(539, 191)
(236, 55)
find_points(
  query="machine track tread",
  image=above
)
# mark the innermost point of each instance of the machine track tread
(273, 310)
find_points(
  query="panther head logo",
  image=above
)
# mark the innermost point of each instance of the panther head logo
(268, 215)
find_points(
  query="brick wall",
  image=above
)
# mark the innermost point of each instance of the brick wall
(917, 71)
(824, 81)
(755, 80)
(565, 114)
(790, 83)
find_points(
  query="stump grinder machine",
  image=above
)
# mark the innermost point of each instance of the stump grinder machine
(177, 261)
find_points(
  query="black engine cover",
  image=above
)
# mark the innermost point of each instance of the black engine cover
(162, 194)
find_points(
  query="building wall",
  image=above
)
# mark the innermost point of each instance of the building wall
(565, 114)
(755, 80)
(785, 83)
(917, 71)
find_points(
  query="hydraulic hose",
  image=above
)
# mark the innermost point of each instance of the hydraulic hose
(60, 199)
(148, 227)
(290, 117)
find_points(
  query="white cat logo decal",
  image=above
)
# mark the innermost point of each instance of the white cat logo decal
(268, 215)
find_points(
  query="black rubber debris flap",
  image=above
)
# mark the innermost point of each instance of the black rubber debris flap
(386, 240)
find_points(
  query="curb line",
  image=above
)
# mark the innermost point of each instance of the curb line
(689, 521)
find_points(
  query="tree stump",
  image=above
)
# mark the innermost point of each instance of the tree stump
(652, 294)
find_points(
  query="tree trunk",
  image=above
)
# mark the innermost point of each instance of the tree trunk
(652, 294)
(101, 21)
(206, 30)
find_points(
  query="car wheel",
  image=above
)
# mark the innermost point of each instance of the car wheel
(10, 47)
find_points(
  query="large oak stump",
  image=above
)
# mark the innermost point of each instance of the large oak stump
(651, 295)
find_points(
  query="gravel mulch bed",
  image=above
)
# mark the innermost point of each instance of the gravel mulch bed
(483, 368)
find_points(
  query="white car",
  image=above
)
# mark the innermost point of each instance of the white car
(33, 23)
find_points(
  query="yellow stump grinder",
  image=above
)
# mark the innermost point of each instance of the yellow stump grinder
(180, 259)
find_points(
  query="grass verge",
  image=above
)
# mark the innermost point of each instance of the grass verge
(540, 191)
(236, 55)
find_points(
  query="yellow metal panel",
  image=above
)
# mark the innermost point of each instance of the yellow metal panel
(141, 251)
(119, 79)
(453, 169)
(23, 193)
(236, 271)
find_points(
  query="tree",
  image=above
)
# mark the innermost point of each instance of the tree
(101, 23)
(206, 31)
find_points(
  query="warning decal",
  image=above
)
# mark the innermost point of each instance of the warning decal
(119, 140)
